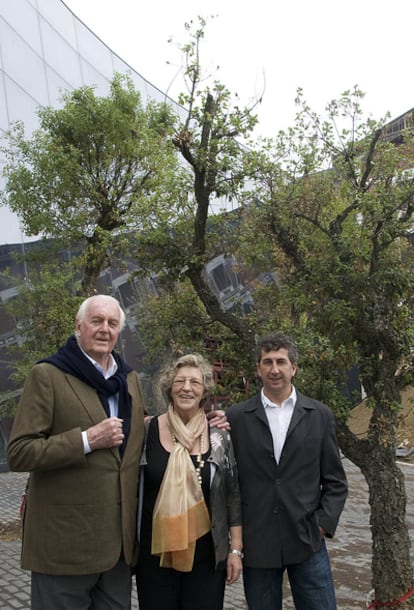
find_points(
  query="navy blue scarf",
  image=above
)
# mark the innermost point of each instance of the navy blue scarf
(72, 360)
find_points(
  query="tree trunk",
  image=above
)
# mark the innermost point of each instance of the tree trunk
(232, 321)
(95, 260)
(391, 562)
(392, 574)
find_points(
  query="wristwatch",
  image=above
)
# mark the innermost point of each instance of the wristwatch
(236, 552)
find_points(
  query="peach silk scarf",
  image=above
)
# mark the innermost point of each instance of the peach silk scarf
(180, 514)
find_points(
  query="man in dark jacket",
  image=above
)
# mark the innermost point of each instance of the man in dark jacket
(292, 482)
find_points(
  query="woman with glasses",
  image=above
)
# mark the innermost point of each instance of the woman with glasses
(190, 533)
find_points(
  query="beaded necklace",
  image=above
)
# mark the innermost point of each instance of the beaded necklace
(200, 461)
(199, 456)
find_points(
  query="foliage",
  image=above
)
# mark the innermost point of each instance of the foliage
(207, 140)
(174, 321)
(96, 170)
(338, 222)
(44, 310)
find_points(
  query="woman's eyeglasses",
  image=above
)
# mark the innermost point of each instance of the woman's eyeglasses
(181, 381)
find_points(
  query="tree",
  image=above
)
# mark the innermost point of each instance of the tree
(93, 173)
(208, 140)
(334, 199)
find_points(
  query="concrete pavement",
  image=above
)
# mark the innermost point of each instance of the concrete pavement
(350, 550)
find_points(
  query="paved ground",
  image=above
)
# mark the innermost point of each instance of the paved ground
(350, 551)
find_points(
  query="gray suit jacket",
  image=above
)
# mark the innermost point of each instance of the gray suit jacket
(81, 509)
(285, 504)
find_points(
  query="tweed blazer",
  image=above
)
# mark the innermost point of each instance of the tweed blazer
(284, 504)
(80, 513)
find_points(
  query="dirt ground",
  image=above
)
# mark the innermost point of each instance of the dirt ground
(359, 419)
(11, 530)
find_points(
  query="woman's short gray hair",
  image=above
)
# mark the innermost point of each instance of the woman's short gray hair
(194, 360)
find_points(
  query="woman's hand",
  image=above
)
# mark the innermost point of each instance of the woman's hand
(234, 568)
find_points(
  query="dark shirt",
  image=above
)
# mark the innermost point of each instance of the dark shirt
(157, 458)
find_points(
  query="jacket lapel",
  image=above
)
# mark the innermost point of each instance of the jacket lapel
(258, 412)
(299, 412)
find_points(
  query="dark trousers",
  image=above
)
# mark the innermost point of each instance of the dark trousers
(109, 590)
(166, 589)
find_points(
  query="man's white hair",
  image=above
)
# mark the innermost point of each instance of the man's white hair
(83, 308)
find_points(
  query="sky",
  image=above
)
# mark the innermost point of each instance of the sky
(269, 49)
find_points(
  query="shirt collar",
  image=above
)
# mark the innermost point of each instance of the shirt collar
(289, 401)
(112, 367)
